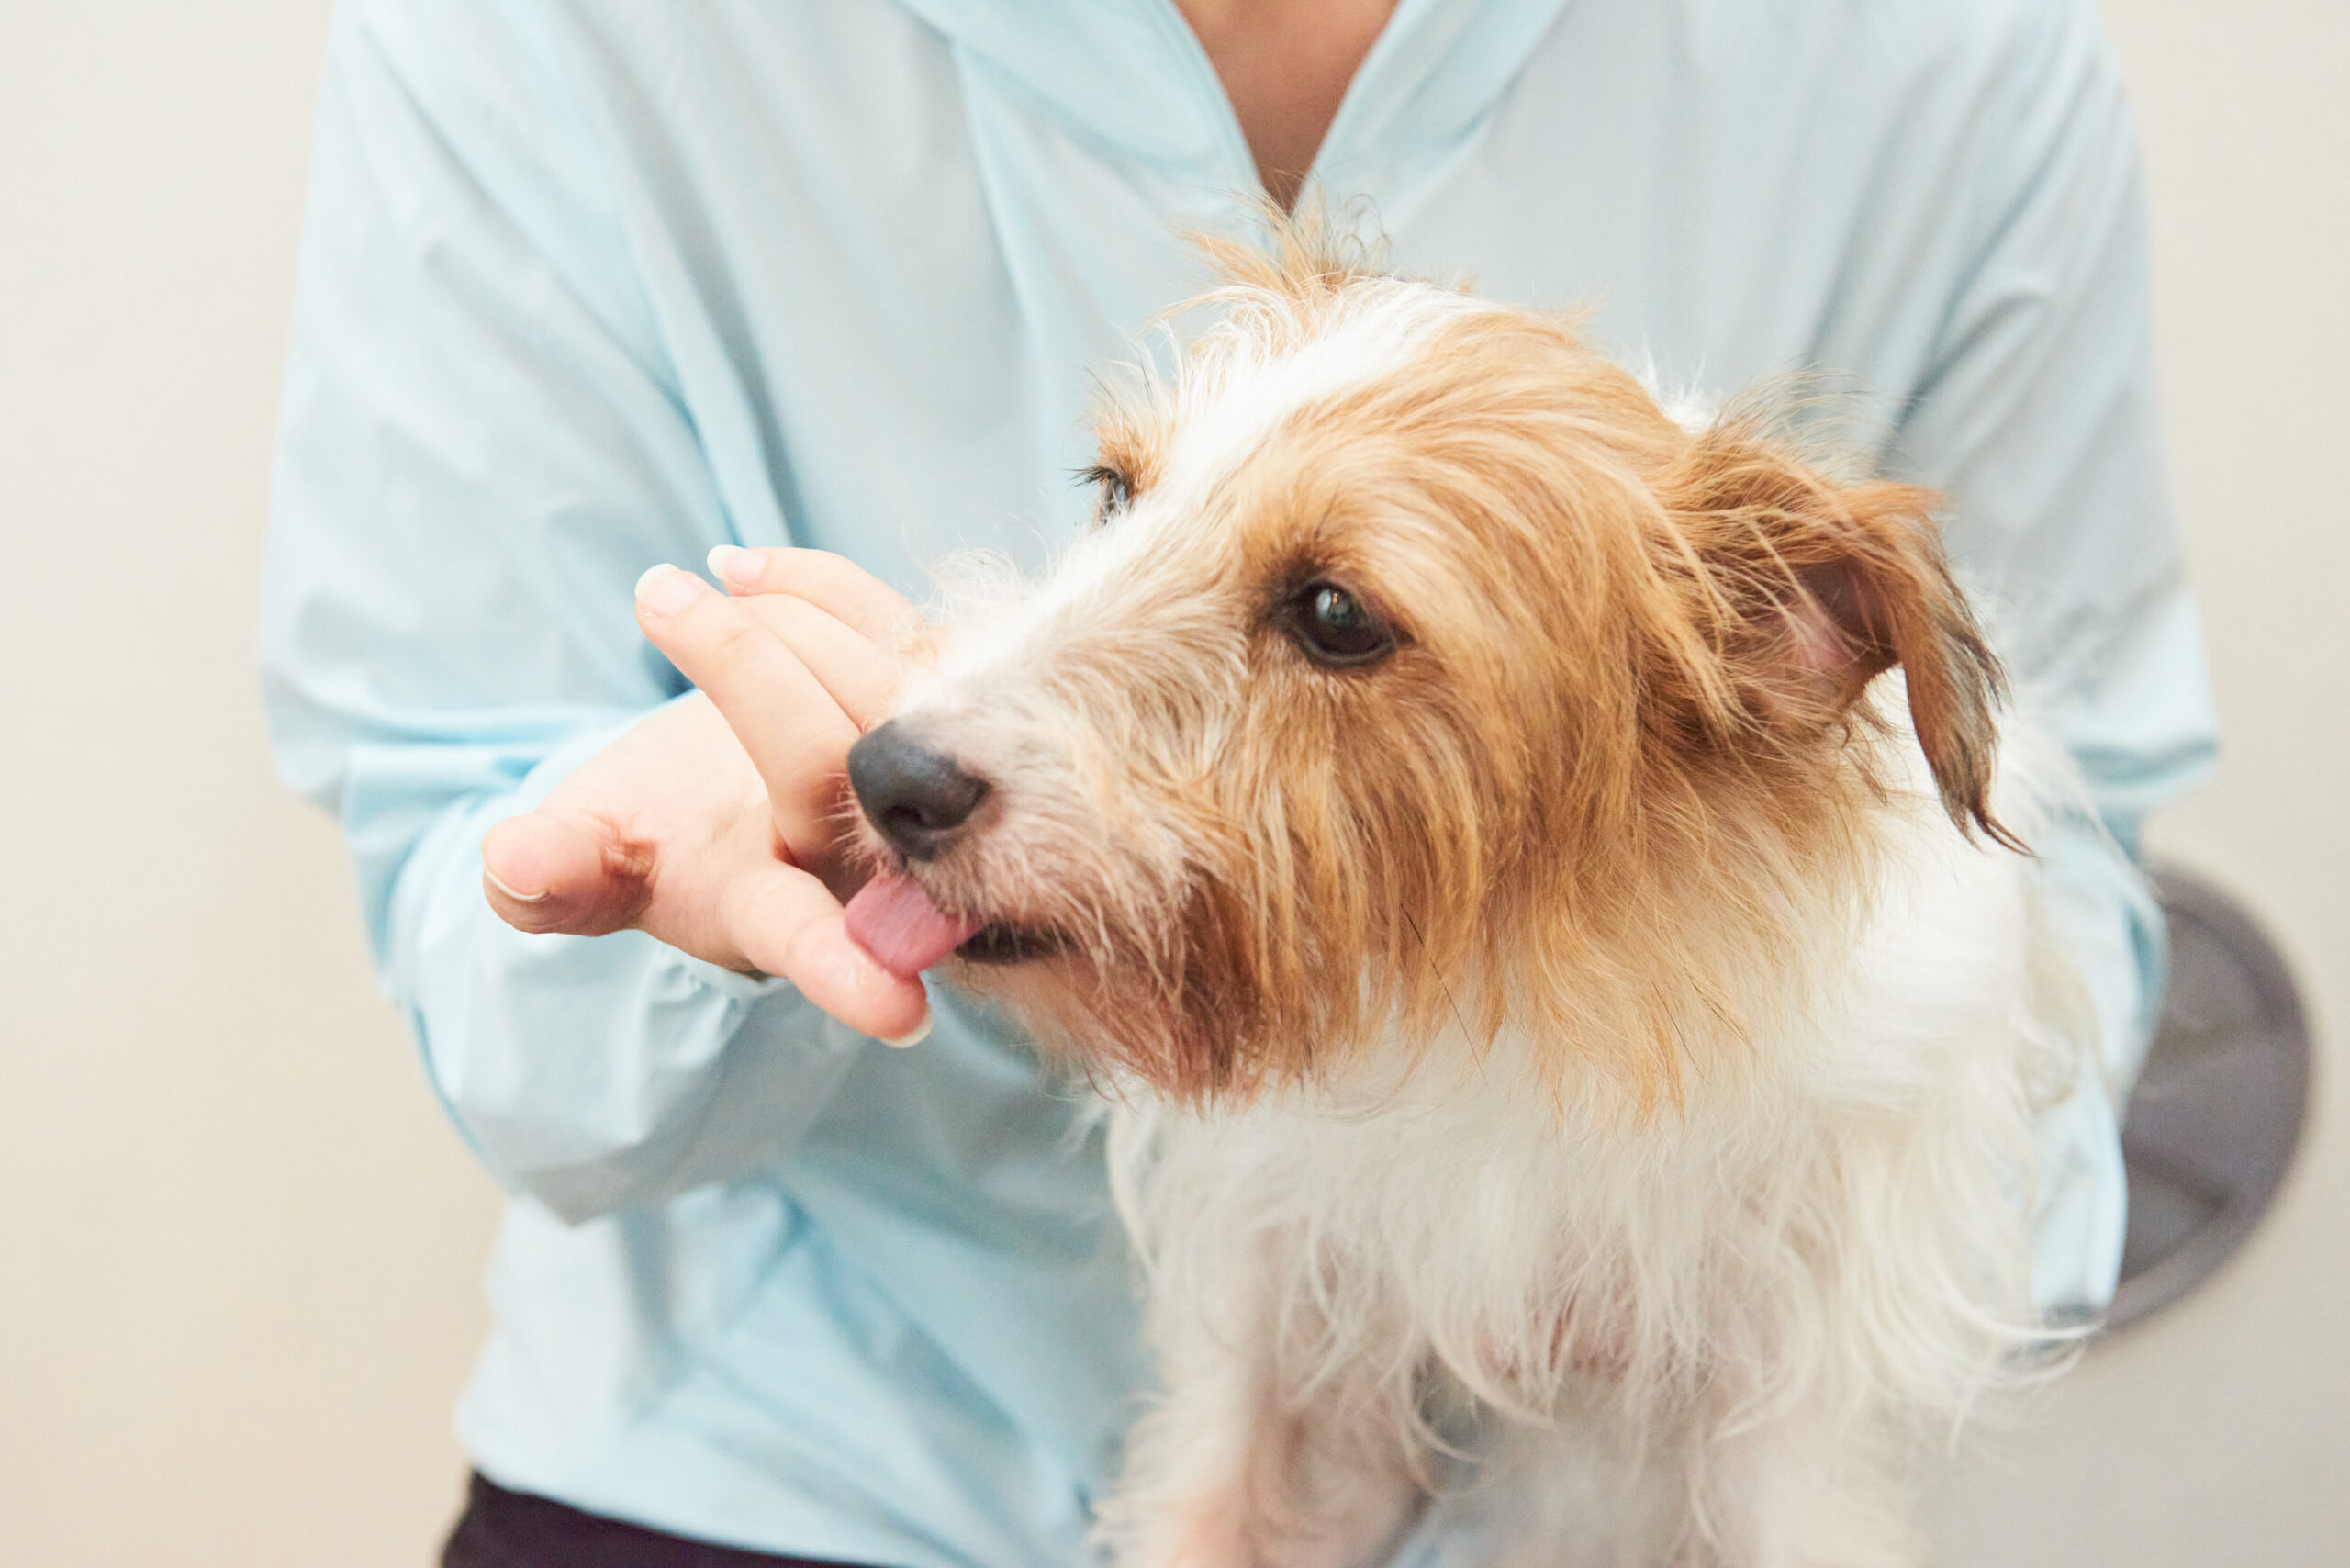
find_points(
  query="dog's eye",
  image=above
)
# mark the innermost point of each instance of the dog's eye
(1113, 491)
(1335, 629)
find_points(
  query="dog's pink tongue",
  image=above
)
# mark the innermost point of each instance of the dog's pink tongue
(895, 921)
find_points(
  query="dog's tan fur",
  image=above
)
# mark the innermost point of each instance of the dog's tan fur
(1622, 721)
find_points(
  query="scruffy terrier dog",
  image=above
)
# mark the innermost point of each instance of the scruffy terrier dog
(1571, 1030)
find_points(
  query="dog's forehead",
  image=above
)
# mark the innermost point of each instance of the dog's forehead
(1248, 381)
(1241, 387)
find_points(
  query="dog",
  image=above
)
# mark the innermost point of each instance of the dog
(1526, 878)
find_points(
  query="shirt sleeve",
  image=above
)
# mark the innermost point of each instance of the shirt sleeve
(2038, 418)
(481, 448)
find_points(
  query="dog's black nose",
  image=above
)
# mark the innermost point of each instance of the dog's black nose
(917, 797)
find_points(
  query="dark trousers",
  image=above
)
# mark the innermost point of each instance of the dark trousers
(513, 1530)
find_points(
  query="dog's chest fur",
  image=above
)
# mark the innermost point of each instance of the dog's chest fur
(1830, 1218)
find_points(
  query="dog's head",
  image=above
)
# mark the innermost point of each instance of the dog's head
(1417, 668)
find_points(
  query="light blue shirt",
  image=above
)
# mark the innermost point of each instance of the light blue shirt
(591, 286)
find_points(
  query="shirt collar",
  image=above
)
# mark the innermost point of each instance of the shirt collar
(1129, 73)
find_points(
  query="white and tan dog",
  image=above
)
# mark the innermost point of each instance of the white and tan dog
(1566, 1020)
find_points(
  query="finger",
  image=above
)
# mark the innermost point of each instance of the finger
(563, 870)
(784, 923)
(860, 674)
(795, 732)
(832, 583)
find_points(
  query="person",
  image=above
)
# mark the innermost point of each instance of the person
(588, 287)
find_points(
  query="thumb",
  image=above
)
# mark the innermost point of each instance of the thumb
(564, 871)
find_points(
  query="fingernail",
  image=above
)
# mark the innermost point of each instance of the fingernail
(664, 590)
(515, 893)
(735, 567)
(912, 1037)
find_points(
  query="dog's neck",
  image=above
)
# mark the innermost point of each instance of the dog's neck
(1703, 945)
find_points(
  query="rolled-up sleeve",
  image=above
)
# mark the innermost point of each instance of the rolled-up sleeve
(480, 450)
(2039, 418)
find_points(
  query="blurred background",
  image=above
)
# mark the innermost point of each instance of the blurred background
(239, 1249)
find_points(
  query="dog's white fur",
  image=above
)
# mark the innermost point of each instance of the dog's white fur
(1692, 1326)
(1700, 1313)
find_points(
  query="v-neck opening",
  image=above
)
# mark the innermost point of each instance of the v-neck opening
(1226, 114)
(1132, 76)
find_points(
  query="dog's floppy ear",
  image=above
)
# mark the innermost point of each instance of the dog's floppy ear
(1826, 585)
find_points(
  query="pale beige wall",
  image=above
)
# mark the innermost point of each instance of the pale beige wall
(238, 1247)
(238, 1250)
(2221, 1434)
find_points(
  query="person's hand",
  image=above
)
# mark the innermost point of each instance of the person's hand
(714, 826)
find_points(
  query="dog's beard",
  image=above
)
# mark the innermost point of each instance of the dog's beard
(1175, 992)
(1160, 938)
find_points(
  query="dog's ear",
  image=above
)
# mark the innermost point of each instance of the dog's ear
(1817, 587)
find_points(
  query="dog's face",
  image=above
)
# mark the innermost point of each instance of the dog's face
(1416, 668)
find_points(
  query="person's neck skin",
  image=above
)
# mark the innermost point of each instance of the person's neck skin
(1285, 65)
